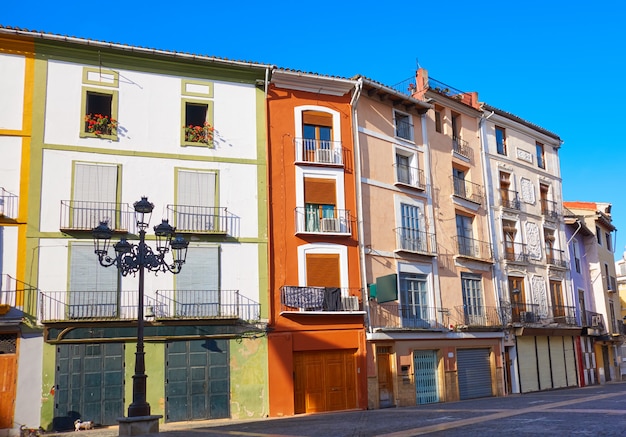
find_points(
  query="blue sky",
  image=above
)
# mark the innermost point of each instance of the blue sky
(558, 64)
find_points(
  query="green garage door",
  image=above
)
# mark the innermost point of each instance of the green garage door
(89, 384)
(197, 380)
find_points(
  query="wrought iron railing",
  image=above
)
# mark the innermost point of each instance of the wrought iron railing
(516, 252)
(473, 248)
(327, 299)
(79, 215)
(549, 209)
(201, 219)
(8, 204)
(563, 315)
(17, 297)
(467, 190)
(206, 304)
(392, 315)
(477, 316)
(320, 220)
(592, 319)
(319, 151)
(404, 129)
(462, 147)
(411, 176)
(556, 258)
(510, 199)
(413, 240)
(519, 312)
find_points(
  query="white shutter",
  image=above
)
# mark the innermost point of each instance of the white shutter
(95, 182)
(196, 188)
(197, 285)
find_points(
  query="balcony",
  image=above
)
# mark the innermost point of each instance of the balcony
(313, 220)
(467, 190)
(319, 299)
(563, 315)
(410, 176)
(169, 304)
(79, 215)
(556, 258)
(8, 204)
(395, 316)
(510, 199)
(519, 313)
(319, 151)
(412, 240)
(468, 247)
(549, 209)
(201, 219)
(516, 253)
(594, 320)
(462, 148)
(16, 298)
(477, 317)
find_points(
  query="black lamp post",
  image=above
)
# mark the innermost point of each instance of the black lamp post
(133, 258)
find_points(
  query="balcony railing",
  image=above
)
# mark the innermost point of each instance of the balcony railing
(205, 304)
(404, 129)
(395, 316)
(467, 190)
(462, 148)
(413, 240)
(523, 313)
(314, 220)
(201, 219)
(510, 199)
(473, 248)
(594, 320)
(17, 297)
(411, 176)
(516, 252)
(326, 299)
(79, 215)
(167, 304)
(477, 316)
(549, 209)
(556, 258)
(8, 204)
(563, 315)
(319, 151)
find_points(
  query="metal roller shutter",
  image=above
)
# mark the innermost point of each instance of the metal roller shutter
(474, 371)
(570, 361)
(557, 358)
(543, 361)
(527, 359)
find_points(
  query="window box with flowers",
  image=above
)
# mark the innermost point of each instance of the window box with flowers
(99, 114)
(199, 134)
(99, 124)
(197, 123)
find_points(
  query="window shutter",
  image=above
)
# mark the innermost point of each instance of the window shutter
(322, 270)
(387, 288)
(86, 274)
(319, 191)
(317, 118)
(201, 269)
(196, 188)
(95, 182)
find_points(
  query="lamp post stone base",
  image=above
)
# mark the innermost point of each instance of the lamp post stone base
(140, 425)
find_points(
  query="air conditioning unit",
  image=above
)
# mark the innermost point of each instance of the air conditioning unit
(596, 321)
(324, 155)
(350, 303)
(330, 225)
(529, 317)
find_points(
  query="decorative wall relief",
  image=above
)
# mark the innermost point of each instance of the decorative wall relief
(539, 295)
(524, 155)
(533, 240)
(528, 191)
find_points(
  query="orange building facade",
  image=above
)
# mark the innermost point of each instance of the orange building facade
(316, 336)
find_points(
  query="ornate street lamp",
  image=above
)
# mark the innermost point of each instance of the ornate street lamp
(133, 258)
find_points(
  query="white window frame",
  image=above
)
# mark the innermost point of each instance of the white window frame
(411, 126)
(323, 249)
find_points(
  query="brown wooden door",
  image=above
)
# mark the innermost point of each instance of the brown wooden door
(385, 380)
(324, 381)
(517, 297)
(8, 376)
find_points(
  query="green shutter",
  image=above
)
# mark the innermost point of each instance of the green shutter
(387, 288)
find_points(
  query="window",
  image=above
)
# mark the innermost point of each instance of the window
(472, 299)
(465, 235)
(438, 119)
(505, 186)
(317, 131)
(94, 196)
(403, 169)
(404, 127)
(323, 270)
(458, 179)
(320, 205)
(501, 140)
(576, 253)
(517, 298)
(197, 114)
(414, 295)
(599, 235)
(556, 294)
(549, 245)
(456, 126)
(411, 236)
(198, 283)
(541, 162)
(607, 237)
(196, 200)
(93, 289)
(99, 113)
(546, 205)
(509, 232)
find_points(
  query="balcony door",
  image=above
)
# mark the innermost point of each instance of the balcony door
(320, 201)
(473, 308)
(414, 295)
(465, 234)
(411, 228)
(323, 270)
(195, 201)
(94, 196)
(556, 295)
(517, 297)
(197, 285)
(317, 129)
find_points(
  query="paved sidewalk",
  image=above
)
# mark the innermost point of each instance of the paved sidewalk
(589, 411)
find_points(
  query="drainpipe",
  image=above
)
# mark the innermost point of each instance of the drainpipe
(359, 197)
